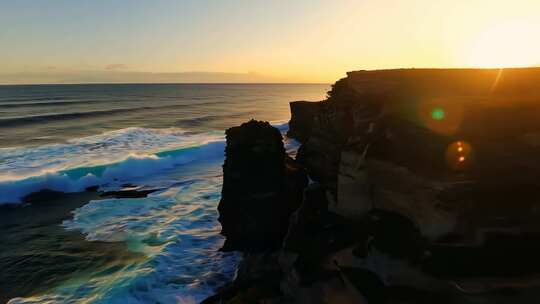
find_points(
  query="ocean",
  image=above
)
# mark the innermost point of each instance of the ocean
(80, 247)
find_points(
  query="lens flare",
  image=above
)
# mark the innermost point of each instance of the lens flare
(437, 114)
(459, 155)
(442, 116)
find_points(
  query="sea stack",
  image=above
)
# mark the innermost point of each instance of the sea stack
(262, 187)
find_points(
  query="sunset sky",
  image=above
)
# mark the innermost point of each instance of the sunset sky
(48, 41)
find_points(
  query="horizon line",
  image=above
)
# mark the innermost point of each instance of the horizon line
(164, 83)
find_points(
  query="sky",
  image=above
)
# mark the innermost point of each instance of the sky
(74, 41)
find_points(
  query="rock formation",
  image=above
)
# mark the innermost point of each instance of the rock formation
(302, 119)
(262, 187)
(426, 190)
(428, 144)
(448, 155)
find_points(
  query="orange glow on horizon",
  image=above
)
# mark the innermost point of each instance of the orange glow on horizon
(306, 42)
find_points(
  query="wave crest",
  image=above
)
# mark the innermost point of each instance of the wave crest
(108, 160)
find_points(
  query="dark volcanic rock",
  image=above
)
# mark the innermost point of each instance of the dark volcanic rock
(261, 188)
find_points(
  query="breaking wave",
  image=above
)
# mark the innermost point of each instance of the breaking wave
(175, 229)
(106, 160)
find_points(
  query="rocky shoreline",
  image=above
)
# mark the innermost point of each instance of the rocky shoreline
(423, 188)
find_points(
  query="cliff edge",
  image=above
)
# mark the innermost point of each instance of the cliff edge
(425, 189)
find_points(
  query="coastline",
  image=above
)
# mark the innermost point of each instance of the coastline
(46, 218)
(398, 193)
(404, 206)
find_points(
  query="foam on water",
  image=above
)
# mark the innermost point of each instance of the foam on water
(107, 160)
(109, 147)
(175, 230)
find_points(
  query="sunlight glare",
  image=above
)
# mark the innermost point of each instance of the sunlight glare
(507, 44)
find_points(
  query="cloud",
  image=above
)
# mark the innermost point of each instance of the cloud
(117, 67)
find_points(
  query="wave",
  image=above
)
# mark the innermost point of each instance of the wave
(66, 101)
(107, 160)
(32, 98)
(202, 120)
(175, 230)
(49, 103)
(33, 119)
(23, 120)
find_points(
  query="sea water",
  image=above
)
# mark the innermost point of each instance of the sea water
(162, 248)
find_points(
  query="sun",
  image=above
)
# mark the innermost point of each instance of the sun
(507, 44)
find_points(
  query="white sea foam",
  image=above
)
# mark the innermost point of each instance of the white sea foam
(107, 160)
(110, 147)
(177, 231)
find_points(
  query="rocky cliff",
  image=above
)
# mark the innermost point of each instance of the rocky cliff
(449, 149)
(426, 190)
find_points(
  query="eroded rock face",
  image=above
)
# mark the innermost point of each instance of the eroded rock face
(442, 168)
(303, 114)
(261, 188)
(426, 191)
(452, 150)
